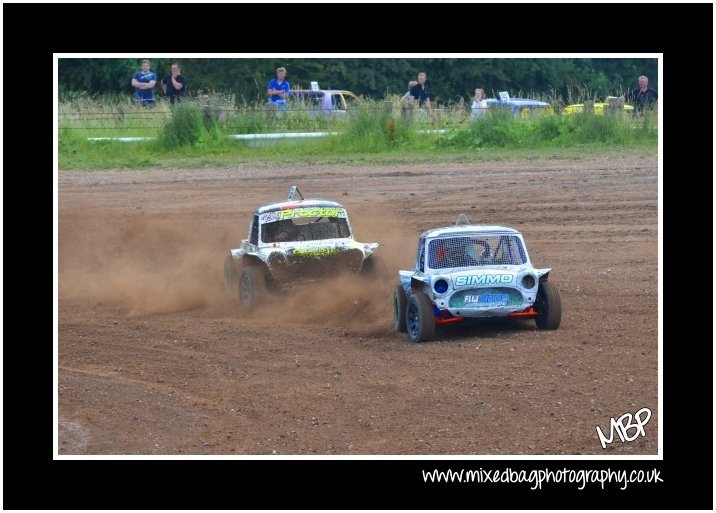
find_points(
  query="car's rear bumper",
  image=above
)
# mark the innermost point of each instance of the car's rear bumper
(299, 264)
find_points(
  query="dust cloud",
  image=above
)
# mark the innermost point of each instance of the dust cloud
(145, 264)
(151, 264)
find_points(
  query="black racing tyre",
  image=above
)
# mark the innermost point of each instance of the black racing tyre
(373, 267)
(252, 287)
(548, 306)
(368, 267)
(420, 318)
(400, 303)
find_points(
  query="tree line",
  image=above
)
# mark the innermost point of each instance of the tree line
(450, 79)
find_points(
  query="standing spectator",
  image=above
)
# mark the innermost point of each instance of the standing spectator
(278, 89)
(642, 97)
(421, 91)
(410, 86)
(174, 86)
(479, 104)
(143, 82)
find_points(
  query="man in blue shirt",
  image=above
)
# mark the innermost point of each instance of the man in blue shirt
(278, 89)
(143, 83)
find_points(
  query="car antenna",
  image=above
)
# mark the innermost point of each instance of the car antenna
(462, 219)
(292, 193)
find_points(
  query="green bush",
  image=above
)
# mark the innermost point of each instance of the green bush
(191, 126)
(497, 129)
(588, 128)
(374, 128)
(550, 128)
(646, 129)
(500, 129)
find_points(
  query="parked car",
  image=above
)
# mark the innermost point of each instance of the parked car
(521, 107)
(599, 108)
(291, 241)
(472, 271)
(328, 102)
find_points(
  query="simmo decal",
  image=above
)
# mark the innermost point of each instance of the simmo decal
(485, 279)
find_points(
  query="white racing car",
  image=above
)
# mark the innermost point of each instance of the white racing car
(291, 241)
(468, 270)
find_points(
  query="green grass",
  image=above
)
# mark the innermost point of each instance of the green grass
(378, 132)
(499, 129)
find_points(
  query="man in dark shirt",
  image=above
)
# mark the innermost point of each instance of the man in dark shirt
(174, 86)
(643, 97)
(421, 91)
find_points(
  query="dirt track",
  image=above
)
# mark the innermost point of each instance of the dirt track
(154, 358)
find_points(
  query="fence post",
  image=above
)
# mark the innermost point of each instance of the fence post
(616, 106)
(214, 114)
(407, 107)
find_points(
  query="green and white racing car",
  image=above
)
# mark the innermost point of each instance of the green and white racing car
(291, 241)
